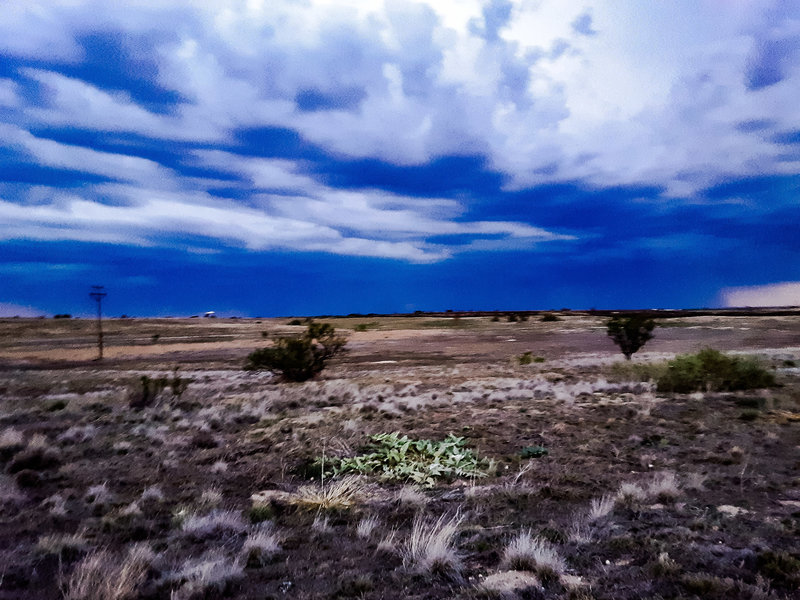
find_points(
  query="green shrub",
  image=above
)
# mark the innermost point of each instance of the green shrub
(630, 333)
(299, 358)
(399, 458)
(527, 358)
(549, 318)
(711, 370)
(533, 452)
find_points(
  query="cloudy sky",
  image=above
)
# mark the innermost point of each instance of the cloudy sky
(266, 157)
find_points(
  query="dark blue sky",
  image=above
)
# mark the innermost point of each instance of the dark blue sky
(338, 157)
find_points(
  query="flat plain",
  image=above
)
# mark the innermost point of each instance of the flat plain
(167, 471)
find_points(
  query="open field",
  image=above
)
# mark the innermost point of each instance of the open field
(166, 471)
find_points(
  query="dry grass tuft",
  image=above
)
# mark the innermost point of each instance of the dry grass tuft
(581, 532)
(388, 543)
(62, 544)
(695, 482)
(152, 494)
(431, 545)
(366, 526)
(207, 577)
(11, 439)
(99, 495)
(411, 496)
(601, 507)
(217, 522)
(102, 576)
(336, 495)
(261, 545)
(210, 498)
(321, 524)
(631, 494)
(529, 553)
(664, 486)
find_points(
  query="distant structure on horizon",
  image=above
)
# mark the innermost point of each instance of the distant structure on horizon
(210, 315)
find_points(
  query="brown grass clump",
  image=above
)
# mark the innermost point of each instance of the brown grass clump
(261, 545)
(601, 507)
(529, 553)
(431, 545)
(102, 576)
(367, 526)
(664, 487)
(209, 576)
(337, 495)
(216, 522)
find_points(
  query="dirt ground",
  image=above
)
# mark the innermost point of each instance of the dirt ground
(151, 459)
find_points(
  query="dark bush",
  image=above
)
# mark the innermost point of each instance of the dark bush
(550, 318)
(299, 358)
(711, 370)
(630, 333)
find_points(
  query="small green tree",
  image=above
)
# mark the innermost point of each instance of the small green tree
(299, 358)
(630, 333)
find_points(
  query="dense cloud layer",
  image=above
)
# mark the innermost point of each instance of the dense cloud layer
(404, 130)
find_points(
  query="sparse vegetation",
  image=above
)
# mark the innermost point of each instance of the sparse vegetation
(299, 358)
(430, 547)
(711, 370)
(399, 458)
(526, 552)
(104, 576)
(630, 333)
(642, 494)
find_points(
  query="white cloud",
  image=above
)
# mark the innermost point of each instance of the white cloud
(8, 93)
(774, 294)
(652, 97)
(17, 310)
(78, 158)
(649, 97)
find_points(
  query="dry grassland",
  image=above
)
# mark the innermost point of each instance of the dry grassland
(167, 472)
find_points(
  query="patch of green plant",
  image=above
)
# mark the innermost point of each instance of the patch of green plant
(533, 452)
(711, 370)
(395, 457)
(550, 318)
(629, 371)
(365, 326)
(261, 512)
(527, 358)
(781, 567)
(56, 405)
(299, 358)
(749, 414)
